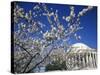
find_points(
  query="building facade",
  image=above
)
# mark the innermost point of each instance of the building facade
(81, 56)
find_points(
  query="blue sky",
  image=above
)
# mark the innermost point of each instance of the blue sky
(88, 21)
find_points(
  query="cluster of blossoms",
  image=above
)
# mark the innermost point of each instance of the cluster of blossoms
(85, 10)
(55, 33)
(18, 13)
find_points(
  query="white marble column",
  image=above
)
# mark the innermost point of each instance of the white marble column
(86, 60)
(79, 60)
(90, 60)
(95, 59)
(83, 61)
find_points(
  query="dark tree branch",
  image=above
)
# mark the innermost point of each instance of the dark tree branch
(31, 58)
(23, 49)
(30, 62)
(40, 62)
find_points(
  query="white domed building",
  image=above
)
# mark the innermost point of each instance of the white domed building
(80, 56)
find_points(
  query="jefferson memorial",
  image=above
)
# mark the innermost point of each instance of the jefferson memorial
(80, 56)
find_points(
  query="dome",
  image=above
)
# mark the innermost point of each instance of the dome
(79, 47)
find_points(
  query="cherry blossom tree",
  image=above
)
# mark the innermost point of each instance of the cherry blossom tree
(33, 44)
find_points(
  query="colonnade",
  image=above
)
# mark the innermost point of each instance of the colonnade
(83, 60)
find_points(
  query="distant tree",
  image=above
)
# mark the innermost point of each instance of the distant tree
(56, 65)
